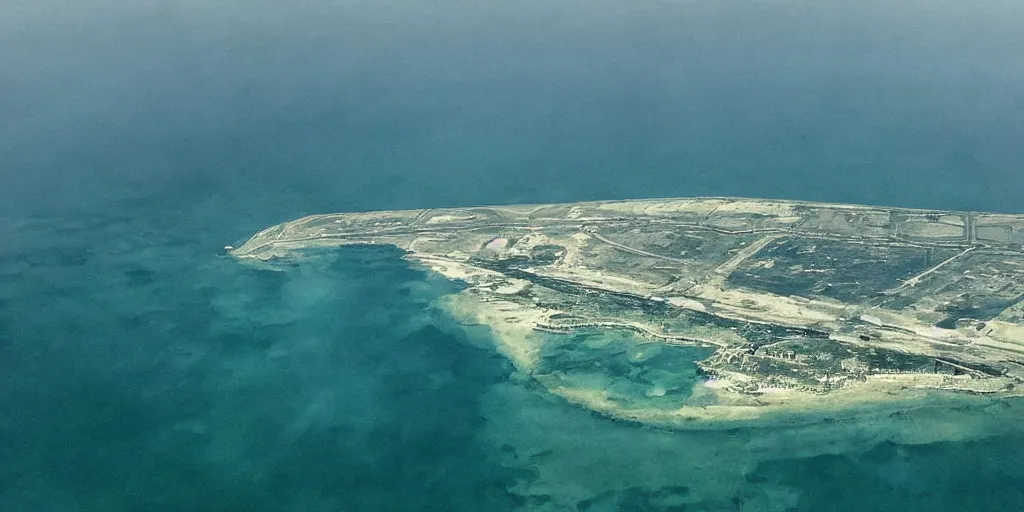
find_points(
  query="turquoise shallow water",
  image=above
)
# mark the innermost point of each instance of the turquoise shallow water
(142, 370)
(151, 373)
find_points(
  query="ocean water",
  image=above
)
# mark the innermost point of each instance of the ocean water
(142, 370)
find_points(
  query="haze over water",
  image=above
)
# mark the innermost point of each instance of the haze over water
(142, 370)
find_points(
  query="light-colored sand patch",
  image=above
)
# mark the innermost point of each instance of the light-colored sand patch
(457, 270)
(737, 303)
(687, 303)
(783, 212)
(669, 206)
(879, 392)
(497, 244)
(446, 218)
(511, 325)
(1006, 335)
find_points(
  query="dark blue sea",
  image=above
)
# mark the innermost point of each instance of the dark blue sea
(142, 370)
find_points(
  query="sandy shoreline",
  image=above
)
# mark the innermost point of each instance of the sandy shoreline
(512, 331)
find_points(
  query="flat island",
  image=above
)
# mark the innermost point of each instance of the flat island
(690, 312)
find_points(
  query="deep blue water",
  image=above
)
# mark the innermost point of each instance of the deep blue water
(142, 371)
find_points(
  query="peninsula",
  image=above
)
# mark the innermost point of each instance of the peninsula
(798, 306)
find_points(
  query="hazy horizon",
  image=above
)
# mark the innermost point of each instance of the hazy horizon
(374, 105)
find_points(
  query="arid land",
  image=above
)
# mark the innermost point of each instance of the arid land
(801, 306)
